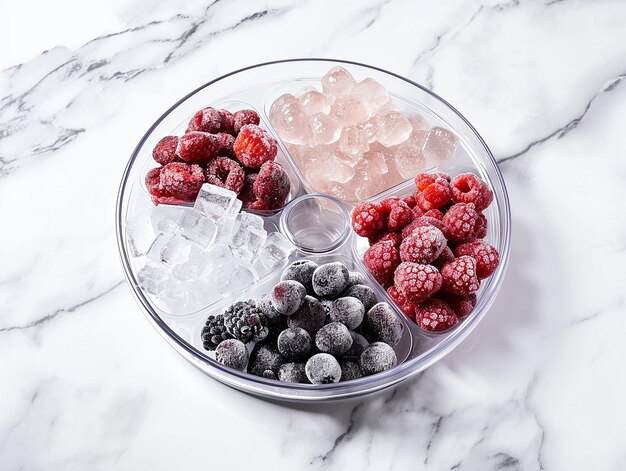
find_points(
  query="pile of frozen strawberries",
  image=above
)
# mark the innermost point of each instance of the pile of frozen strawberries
(225, 149)
(427, 250)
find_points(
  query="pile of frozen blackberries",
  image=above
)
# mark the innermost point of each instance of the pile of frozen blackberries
(320, 324)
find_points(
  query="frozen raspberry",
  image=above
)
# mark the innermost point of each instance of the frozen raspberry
(381, 259)
(368, 219)
(228, 122)
(423, 180)
(461, 305)
(181, 181)
(226, 173)
(470, 188)
(272, 185)
(254, 146)
(247, 195)
(388, 203)
(410, 201)
(423, 221)
(435, 315)
(399, 217)
(445, 256)
(459, 276)
(400, 300)
(424, 245)
(394, 237)
(244, 117)
(480, 229)
(460, 222)
(165, 150)
(206, 120)
(434, 213)
(259, 205)
(226, 143)
(198, 147)
(486, 256)
(417, 281)
(417, 212)
(433, 190)
(153, 181)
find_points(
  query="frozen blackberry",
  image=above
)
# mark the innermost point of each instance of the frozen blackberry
(269, 374)
(382, 324)
(214, 332)
(288, 296)
(264, 357)
(322, 369)
(355, 278)
(232, 353)
(275, 321)
(294, 343)
(333, 338)
(363, 293)
(359, 343)
(302, 272)
(311, 316)
(378, 357)
(292, 373)
(347, 310)
(330, 280)
(349, 370)
(245, 322)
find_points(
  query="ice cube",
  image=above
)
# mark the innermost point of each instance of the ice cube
(353, 141)
(154, 253)
(197, 266)
(275, 250)
(324, 129)
(337, 81)
(243, 222)
(314, 102)
(139, 234)
(290, 120)
(164, 219)
(197, 227)
(440, 145)
(374, 94)
(152, 277)
(220, 255)
(205, 291)
(176, 299)
(350, 109)
(235, 279)
(225, 228)
(409, 160)
(214, 201)
(235, 209)
(393, 128)
(176, 251)
(252, 243)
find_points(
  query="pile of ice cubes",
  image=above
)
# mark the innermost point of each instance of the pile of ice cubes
(196, 256)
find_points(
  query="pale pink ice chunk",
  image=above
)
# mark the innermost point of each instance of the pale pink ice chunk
(393, 128)
(440, 145)
(337, 81)
(288, 117)
(343, 192)
(353, 141)
(349, 109)
(370, 129)
(370, 175)
(374, 94)
(324, 129)
(418, 122)
(314, 102)
(409, 161)
(417, 138)
(334, 167)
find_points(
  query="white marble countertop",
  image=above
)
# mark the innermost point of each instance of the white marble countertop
(87, 384)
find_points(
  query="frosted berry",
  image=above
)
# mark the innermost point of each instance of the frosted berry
(424, 245)
(486, 256)
(165, 150)
(244, 117)
(356, 278)
(435, 315)
(381, 259)
(272, 185)
(470, 188)
(381, 324)
(363, 293)
(226, 142)
(480, 229)
(368, 219)
(330, 279)
(265, 358)
(153, 181)
(349, 370)
(434, 213)
(302, 272)
(228, 122)
(311, 316)
(333, 338)
(417, 281)
(182, 181)
(294, 343)
(232, 353)
(376, 358)
(394, 237)
(226, 173)
(206, 120)
(247, 195)
(406, 306)
(198, 147)
(254, 146)
(424, 221)
(459, 276)
(292, 373)
(348, 310)
(287, 296)
(359, 343)
(461, 305)
(433, 191)
(410, 201)
(399, 217)
(322, 368)
(444, 257)
(274, 320)
(460, 222)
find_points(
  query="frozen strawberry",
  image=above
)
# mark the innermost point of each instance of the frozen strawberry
(206, 120)
(404, 304)
(254, 146)
(165, 150)
(228, 122)
(226, 173)
(417, 281)
(459, 276)
(381, 259)
(368, 219)
(487, 257)
(226, 143)
(198, 147)
(461, 305)
(181, 181)
(460, 222)
(470, 188)
(247, 195)
(434, 315)
(424, 245)
(244, 117)
(272, 185)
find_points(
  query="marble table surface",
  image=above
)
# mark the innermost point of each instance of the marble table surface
(87, 384)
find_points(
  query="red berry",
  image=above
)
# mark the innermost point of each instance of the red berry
(470, 188)
(368, 220)
(181, 181)
(461, 305)
(198, 147)
(460, 222)
(206, 120)
(434, 213)
(435, 315)
(226, 173)
(480, 229)
(434, 195)
(423, 180)
(405, 305)
(486, 256)
(153, 181)
(410, 201)
(424, 245)
(423, 221)
(393, 237)
(228, 122)
(244, 117)
(254, 146)
(417, 212)
(165, 150)
(226, 143)
(381, 259)
(417, 281)
(272, 185)
(399, 216)
(459, 276)
(259, 205)
(445, 257)
(247, 195)
(388, 203)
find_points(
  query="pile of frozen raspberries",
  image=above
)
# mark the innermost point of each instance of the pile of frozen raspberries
(225, 149)
(427, 250)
